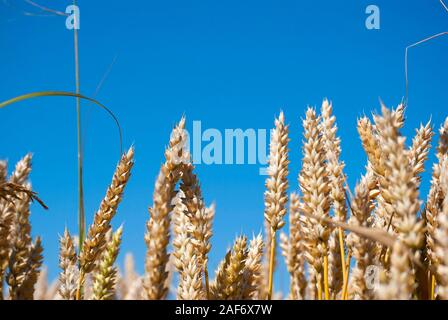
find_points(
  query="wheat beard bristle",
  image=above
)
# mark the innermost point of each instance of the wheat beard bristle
(158, 227)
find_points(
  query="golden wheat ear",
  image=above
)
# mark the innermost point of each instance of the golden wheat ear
(157, 234)
(95, 242)
(275, 195)
(68, 262)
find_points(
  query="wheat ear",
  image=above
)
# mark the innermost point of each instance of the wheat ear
(401, 192)
(157, 234)
(434, 202)
(276, 188)
(336, 177)
(441, 236)
(361, 248)
(253, 267)
(418, 153)
(95, 242)
(69, 275)
(229, 282)
(313, 180)
(401, 284)
(106, 278)
(190, 277)
(200, 220)
(8, 212)
(293, 250)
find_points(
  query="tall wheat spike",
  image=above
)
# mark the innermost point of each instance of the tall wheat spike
(157, 235)
(314, 185)
(276, 195)
(95, 242)
(336, 179)
(401, 195)
(293, 250)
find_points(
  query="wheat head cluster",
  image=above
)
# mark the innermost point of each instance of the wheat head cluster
(378, 241)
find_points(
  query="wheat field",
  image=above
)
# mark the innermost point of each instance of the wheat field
(382, 240)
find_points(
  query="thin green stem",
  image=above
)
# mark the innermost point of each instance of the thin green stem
(81, 213)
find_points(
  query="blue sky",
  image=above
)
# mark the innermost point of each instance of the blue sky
(229, 64)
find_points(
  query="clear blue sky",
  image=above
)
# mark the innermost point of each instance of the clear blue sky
(230, 64)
